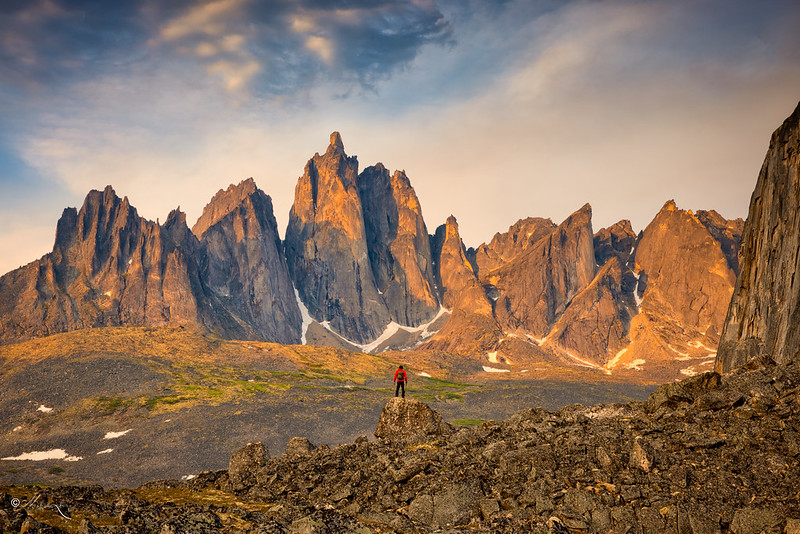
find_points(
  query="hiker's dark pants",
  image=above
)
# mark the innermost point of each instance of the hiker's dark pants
(401, 386)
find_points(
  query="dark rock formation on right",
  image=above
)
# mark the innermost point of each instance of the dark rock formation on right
(764, 313)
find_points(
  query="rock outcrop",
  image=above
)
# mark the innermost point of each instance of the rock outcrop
(595, 324)
(245, 268)
(410, 420)
(710, 454)
(618, 240)
(471, 327)
(681, 281)
(764, 312)
(356, 246)
(536, 288)
(507, 246)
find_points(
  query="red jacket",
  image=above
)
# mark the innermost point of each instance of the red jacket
(400, 376)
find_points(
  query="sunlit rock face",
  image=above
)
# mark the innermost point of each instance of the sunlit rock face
(764, 312)
(108, 267)
(357, 247)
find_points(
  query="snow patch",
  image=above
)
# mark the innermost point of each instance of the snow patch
(682, 356)
(43, 408)
(494, 370)
(689, 371)
(615, 360)
(492, 356)
(636, 365)
(106, 451)
(188, 477)
(114, 435)
(426, 375)
(17, 428)
(53, 454)
(524, 371)
(307, 320)
(393, 327)
(636, 296)
(390, 330)
(108, 294)
(700, 345)
(585, 363)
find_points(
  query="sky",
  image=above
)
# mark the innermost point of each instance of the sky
(496, 109)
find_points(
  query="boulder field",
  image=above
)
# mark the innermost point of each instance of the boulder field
(709, 454)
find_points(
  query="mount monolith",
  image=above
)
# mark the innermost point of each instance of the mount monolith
(764, 312)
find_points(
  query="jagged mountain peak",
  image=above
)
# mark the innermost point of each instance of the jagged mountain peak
(336, 143)
(669, 205)
(225, 201)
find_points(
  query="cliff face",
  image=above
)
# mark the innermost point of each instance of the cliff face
(471, 327)
(504, 247)
(535, 289)
(764, 312)
(617, 241)
(681, 280)
(397, 241)
(245, 269)
(108, 267)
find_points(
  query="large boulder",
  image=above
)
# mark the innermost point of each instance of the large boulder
(245, 463)
(409, 420)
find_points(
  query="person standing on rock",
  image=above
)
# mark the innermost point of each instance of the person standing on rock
(400, 377)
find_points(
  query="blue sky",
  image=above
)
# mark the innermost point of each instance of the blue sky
(497, 110)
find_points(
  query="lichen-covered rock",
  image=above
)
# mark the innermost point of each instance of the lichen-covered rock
(297, 446)
(245, 463)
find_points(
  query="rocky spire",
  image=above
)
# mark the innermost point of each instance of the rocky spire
(397, 241)
(326, 247)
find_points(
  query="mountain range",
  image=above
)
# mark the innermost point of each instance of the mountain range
(358, 269)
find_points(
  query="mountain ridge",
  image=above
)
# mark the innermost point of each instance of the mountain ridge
(358, 269)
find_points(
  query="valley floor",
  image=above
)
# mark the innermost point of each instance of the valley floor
(122, 406)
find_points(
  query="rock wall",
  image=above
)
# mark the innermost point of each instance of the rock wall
(764, 313)
(245, 268)
(397, 241)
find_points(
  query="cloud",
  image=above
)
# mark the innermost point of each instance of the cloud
(517, 109)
